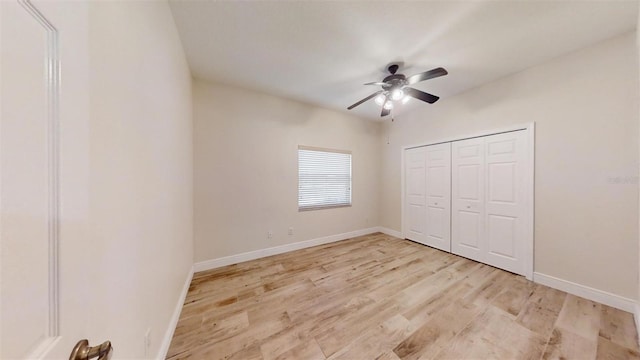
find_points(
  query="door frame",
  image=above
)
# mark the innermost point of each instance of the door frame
(529, 217)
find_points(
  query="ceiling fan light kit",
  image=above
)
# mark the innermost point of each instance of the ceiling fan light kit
(397, 94)
(395, 87)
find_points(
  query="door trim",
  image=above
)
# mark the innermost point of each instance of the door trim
(529, 185)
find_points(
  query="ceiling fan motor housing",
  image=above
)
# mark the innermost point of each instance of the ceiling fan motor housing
(393, 81)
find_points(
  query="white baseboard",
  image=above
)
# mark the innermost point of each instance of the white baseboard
(390, 232)
(587, 292)
(171, 328)
(257, 254)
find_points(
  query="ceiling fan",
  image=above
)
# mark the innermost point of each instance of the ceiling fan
(395, 87)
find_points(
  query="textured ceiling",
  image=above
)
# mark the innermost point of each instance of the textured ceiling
(322, 52)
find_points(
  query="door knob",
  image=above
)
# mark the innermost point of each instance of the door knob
(82, 351)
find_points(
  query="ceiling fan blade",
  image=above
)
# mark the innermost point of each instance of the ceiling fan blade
(433, 73)
(365, 99)
(385, 112)
(421, 95)
(376, 83)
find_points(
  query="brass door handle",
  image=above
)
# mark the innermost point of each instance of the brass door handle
(82, 351)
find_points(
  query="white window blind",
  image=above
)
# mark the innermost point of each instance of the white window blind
(324, 178)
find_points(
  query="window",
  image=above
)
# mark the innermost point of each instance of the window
(324, 178)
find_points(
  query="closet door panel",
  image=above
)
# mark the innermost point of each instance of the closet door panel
(438, 196)
(505, 204)
(415, 195)
(467, 199)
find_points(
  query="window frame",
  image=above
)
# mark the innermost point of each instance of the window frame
(350, 188)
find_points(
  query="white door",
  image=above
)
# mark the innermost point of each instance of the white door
(25, 191)
(438, 196)
(467, 199)
(489, 200)
(505, 200)
(43, 181)
(415, 195)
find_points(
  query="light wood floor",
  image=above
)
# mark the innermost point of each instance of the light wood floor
(379, 297)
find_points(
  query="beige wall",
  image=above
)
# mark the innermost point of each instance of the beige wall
(140, 171)
(585, 105)
(246, 170)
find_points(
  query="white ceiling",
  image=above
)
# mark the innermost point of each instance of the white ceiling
(322, 52)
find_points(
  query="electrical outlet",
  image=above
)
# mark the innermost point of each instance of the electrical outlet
(269, 234)
(290, 231)
(147, 342)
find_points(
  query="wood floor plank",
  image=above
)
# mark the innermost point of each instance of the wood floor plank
(387, 355)
(494, 335)
(431, 286)
(251, 353)
(421, 312)
(211, 330)
(343, 332)
(517, 291)
(283, 342)
(618, 327)
(309, 350)
(437, 333)
(608, 350)
(541, 310)
(379, 297)
(565, 344)
(580, 316)
(488, 288)
(378, 341)
(245, 344)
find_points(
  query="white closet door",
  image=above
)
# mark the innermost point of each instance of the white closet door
(415, 194)
(488, 200)
(467, 194)
(438, 195)
(505, 200)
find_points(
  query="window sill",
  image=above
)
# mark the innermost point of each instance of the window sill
(322, 207)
